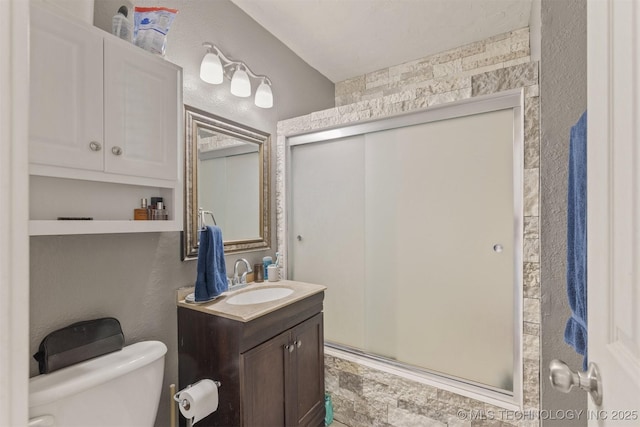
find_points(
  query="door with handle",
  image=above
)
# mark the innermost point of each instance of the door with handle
(613, 187)
(308, 370)
(264, 382)
(65, 89)
(141, 97)
(613, 215)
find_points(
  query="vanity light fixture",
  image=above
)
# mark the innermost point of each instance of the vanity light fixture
(215, 66)
(240, 83)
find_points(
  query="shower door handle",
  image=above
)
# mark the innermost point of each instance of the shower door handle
(564, 379)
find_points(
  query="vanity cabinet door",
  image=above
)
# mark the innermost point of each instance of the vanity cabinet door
(66, 103)
(141, 112)
(283, 379)
(307, 371)
(264, 382)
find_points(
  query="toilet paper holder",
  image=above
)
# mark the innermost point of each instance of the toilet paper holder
(184, 403)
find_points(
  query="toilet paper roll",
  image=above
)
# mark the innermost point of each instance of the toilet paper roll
(202, 399)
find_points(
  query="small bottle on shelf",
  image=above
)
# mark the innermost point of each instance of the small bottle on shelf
(142, 213)
(160, 212)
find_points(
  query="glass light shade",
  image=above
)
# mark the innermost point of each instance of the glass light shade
(264, 96)
(211, 69)
(240, 84)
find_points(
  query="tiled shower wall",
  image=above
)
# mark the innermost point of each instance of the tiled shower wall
(366, 397)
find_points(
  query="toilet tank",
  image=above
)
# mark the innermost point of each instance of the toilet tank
(118, 389)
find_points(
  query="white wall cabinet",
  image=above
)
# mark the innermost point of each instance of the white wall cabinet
(66, 95)
(105, 124)
(140, 112)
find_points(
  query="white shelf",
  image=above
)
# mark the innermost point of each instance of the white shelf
(110, 204)
(55, 227)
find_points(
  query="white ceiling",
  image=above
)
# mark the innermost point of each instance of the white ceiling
(348, 38)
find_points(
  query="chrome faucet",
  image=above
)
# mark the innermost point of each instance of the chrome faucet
(242, 280)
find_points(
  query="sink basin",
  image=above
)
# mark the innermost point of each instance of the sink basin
(256, 296)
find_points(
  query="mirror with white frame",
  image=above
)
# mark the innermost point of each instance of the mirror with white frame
(227, 177)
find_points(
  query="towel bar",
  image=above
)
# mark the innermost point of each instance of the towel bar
(201, 222)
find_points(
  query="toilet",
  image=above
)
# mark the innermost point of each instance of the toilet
(117, 389)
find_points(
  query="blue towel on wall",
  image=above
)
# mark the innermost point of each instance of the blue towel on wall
(575, 333)
(212, 271)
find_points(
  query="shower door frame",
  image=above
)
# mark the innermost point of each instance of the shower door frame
(511, 99)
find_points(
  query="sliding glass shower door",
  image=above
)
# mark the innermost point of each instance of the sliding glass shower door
(412, 231)
(328, 222)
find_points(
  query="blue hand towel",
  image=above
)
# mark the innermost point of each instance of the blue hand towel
(212, 271)
(575, 333)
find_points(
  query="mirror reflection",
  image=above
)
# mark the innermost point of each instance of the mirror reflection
(226, 173)
(228, 183)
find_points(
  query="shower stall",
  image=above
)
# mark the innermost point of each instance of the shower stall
(415, 225)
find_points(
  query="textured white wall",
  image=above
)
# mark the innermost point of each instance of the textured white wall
(563, 93)
(535, 28)
(82, 9)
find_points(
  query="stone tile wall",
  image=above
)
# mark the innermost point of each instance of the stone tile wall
(365, 397)
(445, 72)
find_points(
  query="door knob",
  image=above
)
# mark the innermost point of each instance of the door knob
(564, 379)
(95, 146)
(116, 150)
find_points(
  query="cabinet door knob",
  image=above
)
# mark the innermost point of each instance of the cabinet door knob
(95, 146)
(116, 150)
(290, 348)
(299, 343)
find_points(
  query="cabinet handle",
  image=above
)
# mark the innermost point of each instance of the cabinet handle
(290, 348)
(116, 150)
(95, 146)
(299, 343)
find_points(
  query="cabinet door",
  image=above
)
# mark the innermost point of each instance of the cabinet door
(65, 112)
(264, 376)
(141, 112)
(307, 391)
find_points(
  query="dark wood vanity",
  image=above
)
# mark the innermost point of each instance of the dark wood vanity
(271, 368)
